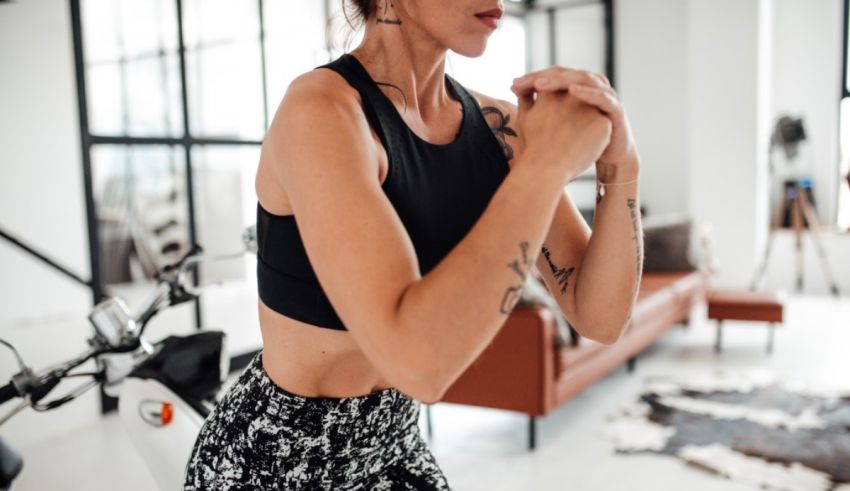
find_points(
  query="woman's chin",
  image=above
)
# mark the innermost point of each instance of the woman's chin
(471, 49)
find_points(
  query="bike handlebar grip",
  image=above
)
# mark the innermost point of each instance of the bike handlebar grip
(8, 392)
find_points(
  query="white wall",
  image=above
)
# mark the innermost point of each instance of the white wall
(41, 188)
(652, 78)
(727, 128)
(807, 82)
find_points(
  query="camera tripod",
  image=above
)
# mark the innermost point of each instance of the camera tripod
(796, 202)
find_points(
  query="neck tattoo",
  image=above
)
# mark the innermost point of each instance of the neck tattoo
(384, 13)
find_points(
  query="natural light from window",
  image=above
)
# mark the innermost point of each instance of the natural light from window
(493, 72)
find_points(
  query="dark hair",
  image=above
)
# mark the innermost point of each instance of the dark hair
(357, 12)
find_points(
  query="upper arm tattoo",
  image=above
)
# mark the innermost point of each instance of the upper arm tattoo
(498, 122)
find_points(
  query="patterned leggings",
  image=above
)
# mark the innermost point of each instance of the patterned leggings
(262, 437)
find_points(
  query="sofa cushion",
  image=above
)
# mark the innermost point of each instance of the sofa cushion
(667, 244)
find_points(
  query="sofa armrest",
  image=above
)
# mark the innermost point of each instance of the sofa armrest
(516, 371)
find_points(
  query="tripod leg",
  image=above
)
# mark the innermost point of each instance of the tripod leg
(796, 219)
(814, 229)
(757, 279)
(775, 222)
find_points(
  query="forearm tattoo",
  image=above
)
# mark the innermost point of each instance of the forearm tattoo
(634, 213)
(498, 122)
(385, 15)
(521, 267)
(562, 275)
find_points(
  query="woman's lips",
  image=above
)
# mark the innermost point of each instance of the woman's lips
(490, 22)
(490, 18)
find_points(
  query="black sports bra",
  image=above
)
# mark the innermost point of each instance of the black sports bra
(438, 191)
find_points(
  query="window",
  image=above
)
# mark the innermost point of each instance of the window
(504, 59)
(178, 95)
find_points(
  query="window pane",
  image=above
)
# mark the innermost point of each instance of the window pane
(141, 209)
(224, 70)
(107, 113)
(132, 71)
(291, 23)
(580, 37)
(493, 72)
(225, 203)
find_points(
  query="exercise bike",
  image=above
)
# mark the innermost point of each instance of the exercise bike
(165, 389)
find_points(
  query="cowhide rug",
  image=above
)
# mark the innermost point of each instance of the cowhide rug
(745, 426)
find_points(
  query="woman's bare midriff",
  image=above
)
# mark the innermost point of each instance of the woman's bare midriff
(313, 361)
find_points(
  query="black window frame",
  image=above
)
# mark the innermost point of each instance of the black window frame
(846, 65)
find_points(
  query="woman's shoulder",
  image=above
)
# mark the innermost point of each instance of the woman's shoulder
(500, 116)
(318, 107)
(323, 86)
(489, 104)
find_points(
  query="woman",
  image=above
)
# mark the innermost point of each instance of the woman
(398, 216)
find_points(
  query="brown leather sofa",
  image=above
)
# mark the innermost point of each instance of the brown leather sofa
(525, 370)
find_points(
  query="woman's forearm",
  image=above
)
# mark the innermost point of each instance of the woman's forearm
(450, 315)
(609, 277)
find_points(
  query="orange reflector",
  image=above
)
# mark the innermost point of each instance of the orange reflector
(166, 414)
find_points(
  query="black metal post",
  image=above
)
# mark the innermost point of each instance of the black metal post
(609, 42)
(845, 87)
(107, 403)
(553, 53)
(187, 150)
(263, 64)
(532, 432)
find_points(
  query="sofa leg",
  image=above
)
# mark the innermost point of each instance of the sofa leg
(770, 329)
(719, 336)
(532, 432)
(630, 365)
(430, 422)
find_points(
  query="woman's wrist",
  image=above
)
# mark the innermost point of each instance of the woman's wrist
(626, 170)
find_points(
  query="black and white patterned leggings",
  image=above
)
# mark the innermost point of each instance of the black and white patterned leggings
(262, 437)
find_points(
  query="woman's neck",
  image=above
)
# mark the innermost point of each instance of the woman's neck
(408, 58)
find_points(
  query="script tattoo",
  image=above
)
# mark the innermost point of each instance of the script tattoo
(384, 13)
(560, 274)
(498, 122)
(512, 294)
(633, 212)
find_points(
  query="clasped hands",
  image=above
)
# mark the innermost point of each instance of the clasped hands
(593, 89)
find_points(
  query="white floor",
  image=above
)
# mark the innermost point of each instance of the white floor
(483, 449)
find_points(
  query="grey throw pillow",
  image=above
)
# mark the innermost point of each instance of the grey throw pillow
(667, 244)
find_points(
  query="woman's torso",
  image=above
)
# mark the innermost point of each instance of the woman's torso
(306, 359)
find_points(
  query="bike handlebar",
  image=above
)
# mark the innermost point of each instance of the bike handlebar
(8, 392)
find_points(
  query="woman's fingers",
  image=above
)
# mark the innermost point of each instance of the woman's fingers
(557, 78)
(524, 102)
(604, 99)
